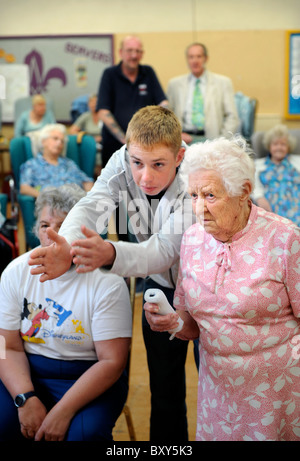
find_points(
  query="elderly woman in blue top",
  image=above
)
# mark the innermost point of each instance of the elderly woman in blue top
(35, 118)
(49, 167)
(277, 179)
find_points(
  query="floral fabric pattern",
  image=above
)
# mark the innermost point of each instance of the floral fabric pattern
(245, 298)
(282, 188)
(38, 173)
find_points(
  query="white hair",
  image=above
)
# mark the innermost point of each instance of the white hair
(231, 158)
(46, 131)
(277, 132)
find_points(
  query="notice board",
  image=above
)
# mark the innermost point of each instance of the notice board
(14, 84)
(61, 67)
(292, 107)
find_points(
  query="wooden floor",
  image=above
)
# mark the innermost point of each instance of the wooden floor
(139, 394)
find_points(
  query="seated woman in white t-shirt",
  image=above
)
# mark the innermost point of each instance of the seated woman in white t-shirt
(67, 344)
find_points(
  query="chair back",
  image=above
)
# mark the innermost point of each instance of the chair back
(79, 105)
(3, 204)
(259, 149)
(246, 108)
(83, 151)
(20, 152)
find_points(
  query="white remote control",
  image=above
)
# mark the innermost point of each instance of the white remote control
(156, 296)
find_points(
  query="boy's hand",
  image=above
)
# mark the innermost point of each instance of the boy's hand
(92, 252)
(51, 261)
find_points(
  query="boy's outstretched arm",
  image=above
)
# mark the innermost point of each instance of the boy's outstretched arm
(92, 252)
(51, 261)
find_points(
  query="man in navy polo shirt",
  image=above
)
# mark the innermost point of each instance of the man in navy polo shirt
(124, 89)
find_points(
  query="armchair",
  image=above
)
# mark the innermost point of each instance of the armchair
(246, 108)
(83, 153)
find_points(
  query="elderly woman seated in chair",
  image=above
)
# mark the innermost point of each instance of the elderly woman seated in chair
(67, 344)
(50, 167)
(89, 121)
(277, 180)
(35, 118)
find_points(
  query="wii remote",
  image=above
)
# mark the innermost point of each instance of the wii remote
(156, 296)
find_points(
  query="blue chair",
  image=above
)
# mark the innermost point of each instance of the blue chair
(3, 204)
(9, 241)
(246, 108)
(79, 105)
(81, 150)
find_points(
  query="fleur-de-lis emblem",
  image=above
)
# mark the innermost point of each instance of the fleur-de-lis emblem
(38, 82)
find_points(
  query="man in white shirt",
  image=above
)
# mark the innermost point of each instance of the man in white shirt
(219, 110)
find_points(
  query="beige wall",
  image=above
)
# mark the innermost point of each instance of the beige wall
(246, 40)
(253, 59)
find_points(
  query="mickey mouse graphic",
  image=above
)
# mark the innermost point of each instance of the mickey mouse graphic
(36, 314)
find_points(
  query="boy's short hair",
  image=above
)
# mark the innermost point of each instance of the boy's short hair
(154, 125)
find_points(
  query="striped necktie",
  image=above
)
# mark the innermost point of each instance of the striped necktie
(198, 109)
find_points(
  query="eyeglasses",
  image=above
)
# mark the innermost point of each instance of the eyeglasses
(132, 51)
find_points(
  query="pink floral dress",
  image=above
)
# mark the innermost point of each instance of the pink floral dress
(245, 297)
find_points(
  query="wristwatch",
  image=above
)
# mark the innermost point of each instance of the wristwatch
(20, 399)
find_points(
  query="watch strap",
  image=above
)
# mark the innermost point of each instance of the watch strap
(29, 394)
(23, 398)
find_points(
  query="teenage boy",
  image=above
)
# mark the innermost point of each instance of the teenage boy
(143, 176)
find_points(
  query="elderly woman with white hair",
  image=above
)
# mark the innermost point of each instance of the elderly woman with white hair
(238, 289)
(50, 167)
(277, 180)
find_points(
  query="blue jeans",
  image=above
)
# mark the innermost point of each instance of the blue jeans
(51, 379)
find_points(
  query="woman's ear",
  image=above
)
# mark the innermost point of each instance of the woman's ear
(247, 189)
